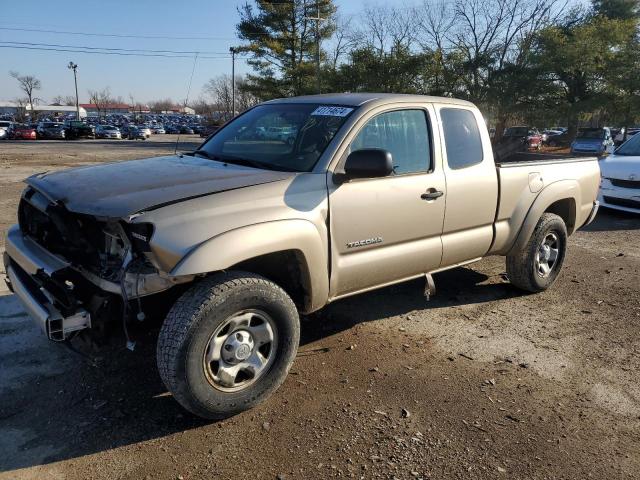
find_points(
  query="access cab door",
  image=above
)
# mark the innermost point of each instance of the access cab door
(386, 229)
(472, 184)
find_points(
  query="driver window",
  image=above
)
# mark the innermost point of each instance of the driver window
(404, 133)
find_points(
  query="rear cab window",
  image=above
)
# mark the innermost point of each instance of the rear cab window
(462, 139)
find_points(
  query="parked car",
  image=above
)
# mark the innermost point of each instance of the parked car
(557, 138)
(185, 130)
(74, 129)
(515, 139)
(108, 131)
(124, 130)
(146, 131)
(20, 131)
(50, 130)
(549, 133)
(158, 130)
(4, 126)
(592, 141)
(183, 232)
(172, 129)
(137, 133)
(534, 139)
(620, 185)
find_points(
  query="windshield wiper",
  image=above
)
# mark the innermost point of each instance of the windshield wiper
(243, 161)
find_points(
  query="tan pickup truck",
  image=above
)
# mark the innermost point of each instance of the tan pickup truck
(294, 204)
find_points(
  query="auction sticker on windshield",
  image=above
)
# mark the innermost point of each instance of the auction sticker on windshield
(329, 111)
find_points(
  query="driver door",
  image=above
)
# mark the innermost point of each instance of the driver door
(384, 230)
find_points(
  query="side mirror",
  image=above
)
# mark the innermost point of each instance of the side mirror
(368, 163)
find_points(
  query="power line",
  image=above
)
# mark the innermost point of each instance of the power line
(90, 52)
(120, 35)
(142, 50)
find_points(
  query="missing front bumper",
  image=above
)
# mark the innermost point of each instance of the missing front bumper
(52, 323)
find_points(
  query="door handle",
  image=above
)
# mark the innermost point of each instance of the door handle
(431, 195)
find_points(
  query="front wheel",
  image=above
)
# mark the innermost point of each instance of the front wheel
(227, 344)
(538, 264)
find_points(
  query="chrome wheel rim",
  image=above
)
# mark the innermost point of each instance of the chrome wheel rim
(547, 255)
(240, 350)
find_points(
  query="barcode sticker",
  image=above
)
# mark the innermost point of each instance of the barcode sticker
(328, 111)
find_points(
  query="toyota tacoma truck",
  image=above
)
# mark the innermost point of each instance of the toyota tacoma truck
(244, 234)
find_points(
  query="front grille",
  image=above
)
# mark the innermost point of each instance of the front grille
(616, 182)
(72, 236)
(622, 202)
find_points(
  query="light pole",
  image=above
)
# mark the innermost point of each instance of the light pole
(74, 66)
(317, 19)
(233, 81)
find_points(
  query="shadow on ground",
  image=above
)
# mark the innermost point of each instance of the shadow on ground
(57, 405)
(613, 220)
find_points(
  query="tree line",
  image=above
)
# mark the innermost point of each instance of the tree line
(535, 62)
(538, 62)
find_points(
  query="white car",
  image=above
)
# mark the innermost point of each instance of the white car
(620, 185)
(4, 125)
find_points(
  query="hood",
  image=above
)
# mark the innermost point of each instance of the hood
(123, 188)
(622, 167)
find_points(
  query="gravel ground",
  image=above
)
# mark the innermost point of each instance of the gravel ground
(480, 382)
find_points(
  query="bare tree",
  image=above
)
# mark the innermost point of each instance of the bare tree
(28, 84)
(101, 99)
(21, 103)
(345, 39)
(159, 106)
(67, 100)
(219, 90)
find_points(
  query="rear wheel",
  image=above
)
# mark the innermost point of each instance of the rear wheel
(538, 264)
(227, 344)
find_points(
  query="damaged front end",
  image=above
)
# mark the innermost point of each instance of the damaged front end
(74, 272)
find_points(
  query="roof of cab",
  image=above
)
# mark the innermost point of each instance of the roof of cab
(358, 99)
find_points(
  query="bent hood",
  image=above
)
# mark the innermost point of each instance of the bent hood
(623, 167)
(124, 188)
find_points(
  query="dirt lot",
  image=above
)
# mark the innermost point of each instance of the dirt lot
(481, 382)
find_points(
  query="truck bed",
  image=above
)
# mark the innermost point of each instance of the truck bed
(523, 177)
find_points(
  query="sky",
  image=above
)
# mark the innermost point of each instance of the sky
(145, 78)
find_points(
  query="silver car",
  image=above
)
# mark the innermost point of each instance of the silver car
(108, 131)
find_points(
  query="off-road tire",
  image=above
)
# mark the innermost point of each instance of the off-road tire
(189, 325)
(521, 265)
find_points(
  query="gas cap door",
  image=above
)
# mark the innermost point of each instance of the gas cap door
(535, 182)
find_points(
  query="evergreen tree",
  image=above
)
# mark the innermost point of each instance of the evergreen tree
(281, 41)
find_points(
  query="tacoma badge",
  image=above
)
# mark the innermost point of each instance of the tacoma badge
(362, 243)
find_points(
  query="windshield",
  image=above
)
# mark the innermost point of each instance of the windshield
(278, 136)
(590, 133)
(630, 147)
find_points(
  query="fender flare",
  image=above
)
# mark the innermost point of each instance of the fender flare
(234, 246)
(557, 191)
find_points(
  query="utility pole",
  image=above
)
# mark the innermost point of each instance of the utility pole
(233, 51)
(317, 19)
(74, 66)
